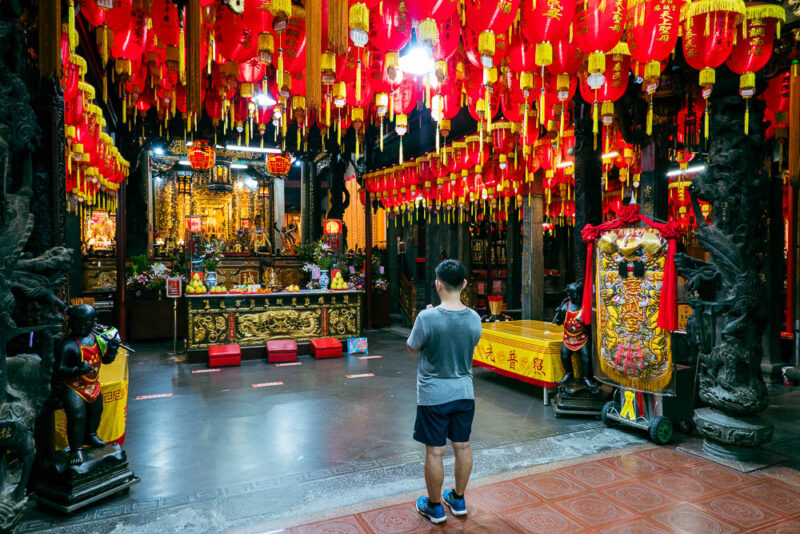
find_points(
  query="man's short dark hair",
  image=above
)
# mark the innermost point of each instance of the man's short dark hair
(451, 273)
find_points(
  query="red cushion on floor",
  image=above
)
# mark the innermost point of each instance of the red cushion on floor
(224, 355)
(281, 350)
(326, 347)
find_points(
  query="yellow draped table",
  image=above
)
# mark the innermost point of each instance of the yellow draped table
(525, 350)
(114, 390)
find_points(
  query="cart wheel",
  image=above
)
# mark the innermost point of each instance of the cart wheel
(607, 407)
(661, 430)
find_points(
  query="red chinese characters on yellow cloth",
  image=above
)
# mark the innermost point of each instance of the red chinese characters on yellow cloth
(88, 385)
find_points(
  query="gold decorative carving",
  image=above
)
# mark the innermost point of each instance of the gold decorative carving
(208, 328)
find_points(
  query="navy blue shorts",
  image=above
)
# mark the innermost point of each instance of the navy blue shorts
(451, 420)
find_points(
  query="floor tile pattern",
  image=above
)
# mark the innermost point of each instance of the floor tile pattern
(654, 491)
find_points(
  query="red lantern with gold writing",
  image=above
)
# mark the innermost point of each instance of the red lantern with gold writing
(545, 22)
(598, 29)
(201, 155)
(279, 164)
(756, 35)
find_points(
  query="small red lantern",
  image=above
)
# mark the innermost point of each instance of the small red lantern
(201, 155)
(279, 164)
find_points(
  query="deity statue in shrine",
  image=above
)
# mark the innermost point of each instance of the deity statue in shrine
(577, 338)
(83, 352)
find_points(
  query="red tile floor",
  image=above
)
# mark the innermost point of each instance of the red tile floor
(649, 491)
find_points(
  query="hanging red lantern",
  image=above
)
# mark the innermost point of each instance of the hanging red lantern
(293, 42)
(708, 33)
(165, 22)
(279, 164)
(201, 155)
(93, 13)
(754, 48)
(119, 15)
(598, 29)
(130, 41)
(615, 76)
(483, 50)
(545, 23)
(438, 10)
(389, 26)
(233, 39)
(449, 34)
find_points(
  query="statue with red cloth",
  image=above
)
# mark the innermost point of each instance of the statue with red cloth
(576, 339)
(81, 357)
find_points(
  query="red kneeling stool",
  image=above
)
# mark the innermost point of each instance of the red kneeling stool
(326, 347)
(224, 355)
(281, 350)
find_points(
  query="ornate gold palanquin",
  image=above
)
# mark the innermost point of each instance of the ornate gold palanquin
(252, 320)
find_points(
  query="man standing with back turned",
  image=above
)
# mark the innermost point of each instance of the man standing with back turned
(445, 338)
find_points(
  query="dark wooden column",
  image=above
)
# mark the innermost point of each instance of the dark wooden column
(514, 270)
(588, 185)
(368, 260)
(432, 252)
(121, 301)
(393, 271)
(532, 268)
(305, 201)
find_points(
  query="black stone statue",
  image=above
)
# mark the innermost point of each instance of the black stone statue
(577, 338)
(81, 357)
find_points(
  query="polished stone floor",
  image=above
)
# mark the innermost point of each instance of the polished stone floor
(266, 445)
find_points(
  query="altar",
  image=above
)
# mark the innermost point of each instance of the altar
(252, 319)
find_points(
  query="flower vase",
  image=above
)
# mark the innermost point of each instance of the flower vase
(211, 279)
(324, 280)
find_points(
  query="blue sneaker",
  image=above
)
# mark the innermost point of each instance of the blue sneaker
(457, 506)
(433, 512)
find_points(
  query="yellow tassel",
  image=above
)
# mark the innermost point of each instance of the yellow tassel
(747, 117)
(650, 118)
(707, 30)
(339, 131)
(541, 107)
(570, 33)
(391, 107)
(705, 126)
(105, 87)
(437, 137)
(358, 81)
(73, 35)
(595, 117)
(401, 149)
(488, 112)
(778, 29)
(328, 111)
(182, 55)
(124, 112)
(104, 51)
(358, 148)
(298, 140)
(279, 74)
(561, 125)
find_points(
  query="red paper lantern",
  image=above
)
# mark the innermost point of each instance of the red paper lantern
(130, 41)
(471, 46)
(598, 29)
(119, 15)
(233, 39)
(449, 35)
(279, 164)
(490, 16)
(653, 28)
(93, 13)
(438, 10)
(165, 22)
(201, 155)
(754, 44)
(545, 23)
(708, 34)
(390, 26)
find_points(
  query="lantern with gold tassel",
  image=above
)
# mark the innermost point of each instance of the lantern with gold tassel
(403, 101)
(653, 27)
(359, 34)
(599, 25)
(709, 28)
(753, 48)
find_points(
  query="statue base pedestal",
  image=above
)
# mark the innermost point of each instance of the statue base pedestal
(67, 488)
(578, 399)
(735, 442)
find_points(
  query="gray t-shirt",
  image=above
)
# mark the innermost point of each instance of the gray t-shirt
(446, 341)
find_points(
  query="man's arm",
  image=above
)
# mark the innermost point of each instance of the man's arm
(417, 339)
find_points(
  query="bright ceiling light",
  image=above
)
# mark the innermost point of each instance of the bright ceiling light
(608, 155)
(158, 151)
(565, 164)
(691, 170)
(264, 100)
(243, 148)
(189, 143)
(238, 166)
(417, 61)
(184, 162)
